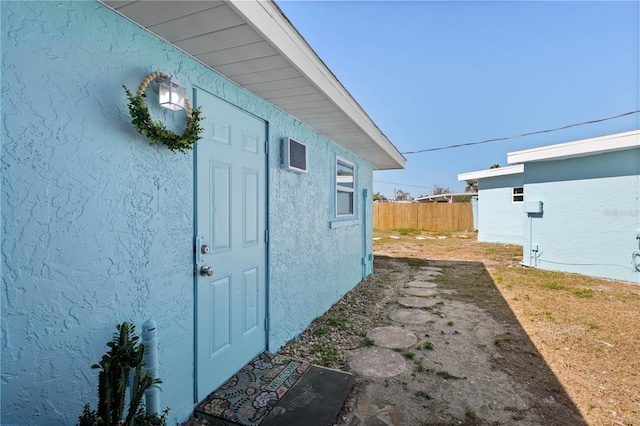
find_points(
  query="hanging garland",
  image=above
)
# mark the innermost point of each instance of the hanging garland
(155, 130)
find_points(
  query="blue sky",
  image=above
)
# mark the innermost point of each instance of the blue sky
(434, 74)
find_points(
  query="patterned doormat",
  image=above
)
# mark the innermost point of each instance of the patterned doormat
(251, 393)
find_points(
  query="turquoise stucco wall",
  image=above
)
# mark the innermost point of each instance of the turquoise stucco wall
(309, 262)
(590, 214)
(97, 225)
(499, 219)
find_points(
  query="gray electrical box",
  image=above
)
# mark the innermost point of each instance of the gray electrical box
(533, 207)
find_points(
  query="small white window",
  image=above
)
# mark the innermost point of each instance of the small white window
(517, 194)
(345, 185)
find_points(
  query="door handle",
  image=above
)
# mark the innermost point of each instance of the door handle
(206, 271)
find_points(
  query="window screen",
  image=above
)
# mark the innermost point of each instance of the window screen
(345, 184)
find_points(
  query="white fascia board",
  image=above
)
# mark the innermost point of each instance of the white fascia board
(267, 19)
(499, 171)
(581, 148)
(433, 197)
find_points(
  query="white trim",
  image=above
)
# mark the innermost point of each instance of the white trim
(499, 171)
(285, 155)
(340, 188)
(268, 20)
(349, 126)
(448, 197)
(580, 148)
(514, 195)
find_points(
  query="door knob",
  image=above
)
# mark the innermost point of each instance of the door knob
(206, 271)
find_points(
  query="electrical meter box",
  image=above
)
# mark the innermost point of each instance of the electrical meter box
(533, 207)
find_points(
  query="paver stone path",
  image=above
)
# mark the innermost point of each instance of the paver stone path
(380, 361)
(392, 337)
(410, 316)
(418, 302)
(377, 362)
(420, 292)
(422, 284)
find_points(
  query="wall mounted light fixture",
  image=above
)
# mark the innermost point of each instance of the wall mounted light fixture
(171, 93)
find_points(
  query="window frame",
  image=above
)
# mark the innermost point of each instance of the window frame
(519, 194)
(340, 161)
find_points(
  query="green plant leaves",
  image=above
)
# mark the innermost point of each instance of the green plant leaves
(125, 354)
(157, 132)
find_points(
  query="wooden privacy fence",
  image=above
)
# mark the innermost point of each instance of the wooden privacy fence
(427, 216)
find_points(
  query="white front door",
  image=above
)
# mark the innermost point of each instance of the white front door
(230, 238)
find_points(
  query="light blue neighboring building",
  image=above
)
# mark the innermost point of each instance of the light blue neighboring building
(499, 205)
(582, 202)
(99, 227)
(581, 206)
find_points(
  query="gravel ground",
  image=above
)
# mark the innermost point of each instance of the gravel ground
(570, 340)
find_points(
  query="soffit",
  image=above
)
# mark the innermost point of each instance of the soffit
(253, 44)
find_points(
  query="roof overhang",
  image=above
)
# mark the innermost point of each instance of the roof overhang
(252, 43)
(446, 197)
(581, 148)
(498, 171)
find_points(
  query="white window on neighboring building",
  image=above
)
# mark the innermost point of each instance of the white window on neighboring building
(517, 194)
(345, 188)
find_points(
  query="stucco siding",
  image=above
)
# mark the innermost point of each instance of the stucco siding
(591, 214)
(97, 225)
(499, 219)
(312, 265)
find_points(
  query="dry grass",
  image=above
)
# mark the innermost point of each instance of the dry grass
(587, 329)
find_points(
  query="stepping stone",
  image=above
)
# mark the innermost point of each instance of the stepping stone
(393, 237)
(426, 275)
(422, 292)
(418, 302)
(442, 237)
(422, 284)
(430, 268)
(429, 273)
(392, 337)
(376, 238)
(421, 238)
(410, 316)
(377, 362)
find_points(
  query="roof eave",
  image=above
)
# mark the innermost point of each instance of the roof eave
(498, 171)
(269, 21)
(348, 125)
(580, 148)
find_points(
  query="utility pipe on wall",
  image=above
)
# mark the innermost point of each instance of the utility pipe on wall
(150, 342)
(364, 233)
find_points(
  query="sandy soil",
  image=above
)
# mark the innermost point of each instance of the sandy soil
(502, 344)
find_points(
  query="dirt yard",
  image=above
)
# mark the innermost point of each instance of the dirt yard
(505, 345)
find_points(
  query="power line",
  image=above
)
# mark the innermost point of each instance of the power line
(404, 184)
(519, 136)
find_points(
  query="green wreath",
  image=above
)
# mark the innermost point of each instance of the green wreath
(155, 130)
